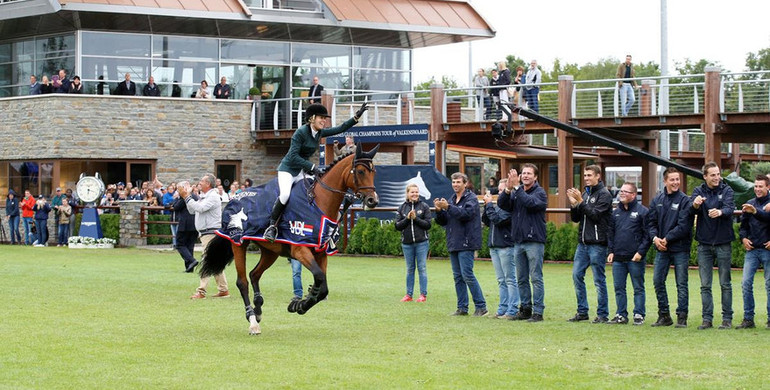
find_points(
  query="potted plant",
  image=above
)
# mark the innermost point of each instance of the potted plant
(253, 93)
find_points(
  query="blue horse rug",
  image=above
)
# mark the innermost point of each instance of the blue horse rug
(302, 223)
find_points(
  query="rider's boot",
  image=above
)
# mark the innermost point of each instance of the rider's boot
(272, 231)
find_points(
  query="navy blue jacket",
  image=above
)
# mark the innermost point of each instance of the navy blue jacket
(185, 219)
(627, 234)
(593, 214)
(462, 222)
(756, 227)
(669, 217)
(714, 231)
(41, 212)
(12, 205)
(499, 222)
(527, 209)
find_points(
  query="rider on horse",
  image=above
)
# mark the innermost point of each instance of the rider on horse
(304, 143)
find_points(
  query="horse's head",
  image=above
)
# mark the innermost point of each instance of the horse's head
(361, 179)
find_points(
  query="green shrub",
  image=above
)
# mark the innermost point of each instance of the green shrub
(158, 229)
(370, 235)
(437, 238)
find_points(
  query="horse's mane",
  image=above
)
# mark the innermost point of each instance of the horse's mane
(337, 160)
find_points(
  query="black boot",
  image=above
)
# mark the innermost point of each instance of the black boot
(272, 231)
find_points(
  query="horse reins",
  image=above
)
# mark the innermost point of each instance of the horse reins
(366, 162)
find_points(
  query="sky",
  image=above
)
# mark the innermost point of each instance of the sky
(589, 30)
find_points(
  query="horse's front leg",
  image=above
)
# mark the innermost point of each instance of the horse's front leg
(266, 259)
(319, 290)
(239, 253)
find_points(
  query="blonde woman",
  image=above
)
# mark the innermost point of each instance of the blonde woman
(413, 221)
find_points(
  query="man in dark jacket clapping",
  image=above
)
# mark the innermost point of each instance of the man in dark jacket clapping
(593, 210)
(462, 221)
(186, 234)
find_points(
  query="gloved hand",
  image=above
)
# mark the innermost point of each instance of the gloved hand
(316, 171)
(361, 110)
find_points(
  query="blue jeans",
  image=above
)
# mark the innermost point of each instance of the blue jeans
(596, 257)
(621, 270)
(63, 233)
(13, 224)
(663, 261)
(505, 270)
(296, 276)
(528, 257)
(28, 230)
(626, 98)
(530, 95)
(416, 256)
(707, 255)
(750, 265)
(462, 270)
(41, 225)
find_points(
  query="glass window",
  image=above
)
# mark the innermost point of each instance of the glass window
(381, 80)
(321, 55)
(121, 45)
(51, 66)
(114, 69)
(5, 52)
(55, 46)
(6, 71)
(23, 51)
(185, 48)
(330, 78)
(23, 71)
(255, 51)
(185, 72)
(377, 58)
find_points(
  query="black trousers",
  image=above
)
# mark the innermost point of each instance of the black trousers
(185, 245)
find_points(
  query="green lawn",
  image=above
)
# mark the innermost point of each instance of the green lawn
(121, 318)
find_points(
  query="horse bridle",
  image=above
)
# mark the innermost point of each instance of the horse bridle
(367, 163)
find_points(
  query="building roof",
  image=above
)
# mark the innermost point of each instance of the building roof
(192, 5)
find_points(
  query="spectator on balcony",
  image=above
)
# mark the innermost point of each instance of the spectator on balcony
(505, 79)
(349, 147)
(63, 84)
(76, 86)
(12, 214)
(63, 214)
(176, 90)
(34, 86)
(151, 89)
(627, 85)
(126, 87)
(532, 91)
(315, 91)
(481, 81)
(101, 85)
(520, 78)
(222, 90)
(203, 91)
(45, 86)
(494, 93)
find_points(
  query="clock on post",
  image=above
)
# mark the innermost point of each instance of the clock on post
(90, 190)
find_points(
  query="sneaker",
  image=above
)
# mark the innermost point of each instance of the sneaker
(681, 320)
(579, 317)
(199, 295)
(507, 317)
(664, 320)
(480, 312)
(535, 318)
(222, 294)
(638, 319)
(406, 298)
(602, 320)
(459, 312)
(726, 324)
(520, 316)
(705, 325)
(746, 324)
(618, 320)
(191, 266)
(422, 298)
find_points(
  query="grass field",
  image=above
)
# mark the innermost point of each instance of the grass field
(113, 319)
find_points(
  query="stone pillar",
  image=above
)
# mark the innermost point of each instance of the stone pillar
(712, 127)
(130, 229)
(436, 130)
(565, 144)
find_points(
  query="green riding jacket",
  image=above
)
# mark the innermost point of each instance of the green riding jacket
(303, 145)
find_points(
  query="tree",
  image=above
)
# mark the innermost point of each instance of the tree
(422, 90)
(759, 60)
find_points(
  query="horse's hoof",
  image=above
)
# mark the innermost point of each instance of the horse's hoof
(255, 332)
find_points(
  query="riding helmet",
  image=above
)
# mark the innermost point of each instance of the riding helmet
(316, 109)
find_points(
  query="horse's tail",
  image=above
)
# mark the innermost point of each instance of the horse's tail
(216, 256)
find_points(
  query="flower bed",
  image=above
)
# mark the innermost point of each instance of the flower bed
(78, 242)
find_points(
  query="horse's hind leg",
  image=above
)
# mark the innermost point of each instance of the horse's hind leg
(266, 259)
(319, 290)
(239, 252)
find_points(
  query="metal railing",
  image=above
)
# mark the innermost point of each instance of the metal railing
(291, 5)
(745, 92)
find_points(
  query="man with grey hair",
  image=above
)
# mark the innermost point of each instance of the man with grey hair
(531, 92)
(208, 219)
(186, 233)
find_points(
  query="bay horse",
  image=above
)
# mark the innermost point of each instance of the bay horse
(354, 172)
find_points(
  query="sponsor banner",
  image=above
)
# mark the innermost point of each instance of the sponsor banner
(383, 134)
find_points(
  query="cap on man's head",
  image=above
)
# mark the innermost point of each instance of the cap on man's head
(58, 188)
(41, 196)
(120, 183)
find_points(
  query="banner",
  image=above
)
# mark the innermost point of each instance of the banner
(383, 134)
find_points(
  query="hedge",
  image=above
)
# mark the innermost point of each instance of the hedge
(110, 225)
(372, 236)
